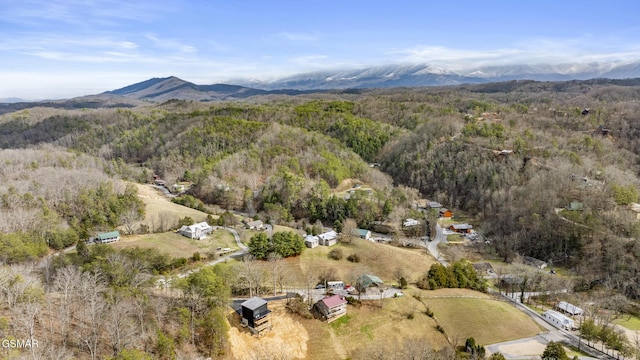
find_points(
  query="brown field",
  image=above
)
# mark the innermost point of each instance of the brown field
(462, 313)
(161, 213)
(177, 245)
(378, 259)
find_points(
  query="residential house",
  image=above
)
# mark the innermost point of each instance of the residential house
(256, 315)
(328, 238)
(461, 228)
(311, 241)
(254, 225)
(108, 237)
(362, 233)
(332, 307)
(535, 262)
(570, 308)
(434, 205)
(197, 231)
(444, 213)
(410, 222)
(367, 282)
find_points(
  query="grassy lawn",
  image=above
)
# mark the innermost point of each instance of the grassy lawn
(488, 321)
(398, 320)
(632, 324)
(177, 245)
(376, 259)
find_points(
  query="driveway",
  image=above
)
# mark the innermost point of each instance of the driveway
(432, 246)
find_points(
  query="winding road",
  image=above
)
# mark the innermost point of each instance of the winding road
(432, 246)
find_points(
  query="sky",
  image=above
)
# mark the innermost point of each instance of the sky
(52, 49)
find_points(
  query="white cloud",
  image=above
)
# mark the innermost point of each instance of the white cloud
(533, 51)
(298, 36)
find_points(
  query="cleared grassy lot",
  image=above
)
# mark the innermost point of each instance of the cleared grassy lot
(177, 245)
(632, 323)
(488, 321)
(376, 259)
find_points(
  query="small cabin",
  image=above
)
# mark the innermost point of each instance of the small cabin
(108, 237)
(256, 315)
(461, 228)
(445, 213)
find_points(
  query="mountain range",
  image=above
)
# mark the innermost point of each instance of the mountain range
(163, 89)
(427, 75)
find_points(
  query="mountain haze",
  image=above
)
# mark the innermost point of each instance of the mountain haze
(427, 75)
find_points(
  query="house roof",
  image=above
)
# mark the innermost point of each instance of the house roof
(570, 308)
(434, 204)
(368, 280)
(334, 300)
(635, 207)
(255, 223)
(253, 303)
(108, 235)
(310, 238)
(462, 226)
(360, 232)
(194, 227)
(329, 235)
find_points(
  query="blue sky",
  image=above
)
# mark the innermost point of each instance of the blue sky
(65, 48)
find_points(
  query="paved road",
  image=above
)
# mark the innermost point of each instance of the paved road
(552, 334)
(432, 246)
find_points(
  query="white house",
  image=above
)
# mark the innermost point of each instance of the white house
(570, 308)
(311, 241)
(328, 239)
(255, 225)
(196, 231)
(410, 222)
(559, 320)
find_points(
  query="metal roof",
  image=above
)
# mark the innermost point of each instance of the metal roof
(108, 235)
(253, 303)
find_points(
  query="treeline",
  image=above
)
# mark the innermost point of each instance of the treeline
(102, 304)
(460, 274)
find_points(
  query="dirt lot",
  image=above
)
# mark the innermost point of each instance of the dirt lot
(286, 340)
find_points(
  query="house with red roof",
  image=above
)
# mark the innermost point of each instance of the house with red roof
(332, 307)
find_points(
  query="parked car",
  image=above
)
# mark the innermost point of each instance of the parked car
(320, 286)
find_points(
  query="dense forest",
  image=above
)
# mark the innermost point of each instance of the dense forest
(512, 156)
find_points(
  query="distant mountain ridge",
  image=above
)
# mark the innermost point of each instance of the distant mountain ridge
(427, 75)
(163, 89)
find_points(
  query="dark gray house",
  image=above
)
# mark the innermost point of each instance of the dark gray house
(256, 315)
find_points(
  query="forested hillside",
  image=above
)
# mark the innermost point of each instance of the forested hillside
(547, 170)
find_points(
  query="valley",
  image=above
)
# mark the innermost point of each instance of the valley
(542, 176)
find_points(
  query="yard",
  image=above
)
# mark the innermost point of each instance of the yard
(161, 213)
(177, 245)
(631, 323)
(375, 258)
(488, 321)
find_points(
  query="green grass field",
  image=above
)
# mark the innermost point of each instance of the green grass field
(177, 245)
(488, 321)
(632, 323)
